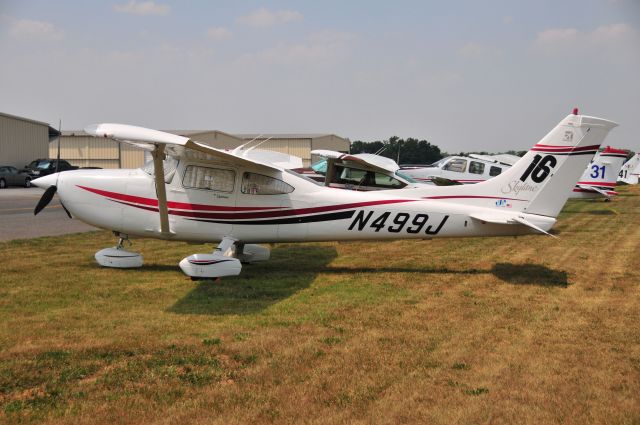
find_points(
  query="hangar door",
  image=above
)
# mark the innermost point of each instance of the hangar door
(297, 147)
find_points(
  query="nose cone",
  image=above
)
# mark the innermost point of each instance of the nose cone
(46, 181)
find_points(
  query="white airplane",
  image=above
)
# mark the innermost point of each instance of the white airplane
(630, 172)
(362, 172)
(599, 179)
(200, 194)
(460, 169)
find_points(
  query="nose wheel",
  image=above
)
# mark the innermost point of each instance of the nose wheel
(118, 257)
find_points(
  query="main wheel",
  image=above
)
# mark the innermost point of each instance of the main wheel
(27, 182)
(3, 184)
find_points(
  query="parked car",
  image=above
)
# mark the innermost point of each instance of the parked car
(11, 176)
(44, 167)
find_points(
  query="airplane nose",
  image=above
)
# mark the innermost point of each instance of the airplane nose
(46, 181)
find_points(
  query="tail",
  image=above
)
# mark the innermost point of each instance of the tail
(630, 170)
(601, 174)
(542, 180)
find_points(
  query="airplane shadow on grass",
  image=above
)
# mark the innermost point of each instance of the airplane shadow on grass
(293, 268)
(290, 269)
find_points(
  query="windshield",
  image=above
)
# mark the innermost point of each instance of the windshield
(406, 177)
(302, 176)
(41, 164)
(320, 167)
(169, 166)
(438, 164)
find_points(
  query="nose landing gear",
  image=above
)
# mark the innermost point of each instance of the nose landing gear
(118, 257)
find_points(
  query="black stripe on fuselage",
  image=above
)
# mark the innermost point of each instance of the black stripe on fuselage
(569, 153)
(342, 215)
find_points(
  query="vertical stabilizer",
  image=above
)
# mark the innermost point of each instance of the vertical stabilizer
(630, 170)
(541, 181)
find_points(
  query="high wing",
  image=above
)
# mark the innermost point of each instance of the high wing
(149, 139)
(160, 143)
(370, 161)
(278, 159)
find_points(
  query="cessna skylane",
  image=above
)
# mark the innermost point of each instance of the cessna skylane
(193, 192)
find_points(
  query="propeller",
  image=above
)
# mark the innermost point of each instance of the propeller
(47, 196)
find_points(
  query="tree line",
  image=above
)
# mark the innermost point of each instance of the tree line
(413, 151)
(403, 151)
(410, 150)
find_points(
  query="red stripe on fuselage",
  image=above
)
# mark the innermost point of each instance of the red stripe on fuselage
(470, 197)
(152, 205)
(171, 204)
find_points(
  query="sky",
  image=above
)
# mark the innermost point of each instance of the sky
(468, 75)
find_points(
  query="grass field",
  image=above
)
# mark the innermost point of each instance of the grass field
(501, 330)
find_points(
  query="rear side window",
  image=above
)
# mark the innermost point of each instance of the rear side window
(258, 184)
(476, 167)
(494, 171)
(457, 165)
(216, 179)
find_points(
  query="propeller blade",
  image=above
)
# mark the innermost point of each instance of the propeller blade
(66, 210)
(47, 196)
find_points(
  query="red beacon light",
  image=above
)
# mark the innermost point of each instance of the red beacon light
(575, 111)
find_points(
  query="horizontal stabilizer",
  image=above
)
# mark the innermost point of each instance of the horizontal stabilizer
(503, 218)
(595, 189)
(527, 223)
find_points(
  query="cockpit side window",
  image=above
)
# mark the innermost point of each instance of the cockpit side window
(216, 179)
(457, 165)
(494, 171)
(476, 167)
(258, 184)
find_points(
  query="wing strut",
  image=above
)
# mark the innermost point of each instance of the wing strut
(161, 192)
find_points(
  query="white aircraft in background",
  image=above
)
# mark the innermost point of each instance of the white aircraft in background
(375, 172)
(460, 169)
(599, 179)
(630, 172)
(197, 193)
(362, 172)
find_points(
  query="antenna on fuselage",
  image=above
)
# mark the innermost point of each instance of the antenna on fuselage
(379, 151)
(253, 147)
(241, 147)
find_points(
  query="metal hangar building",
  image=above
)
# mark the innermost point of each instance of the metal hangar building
(22, 140)
(83, 150)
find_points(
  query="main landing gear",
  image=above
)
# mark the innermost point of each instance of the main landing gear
(118, 257)
(225, 260)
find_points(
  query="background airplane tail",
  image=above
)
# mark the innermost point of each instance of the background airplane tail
(601, 174)
(630, 170)
(542, 180)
